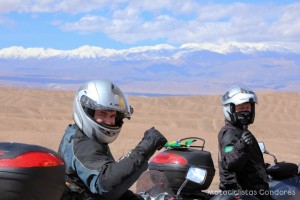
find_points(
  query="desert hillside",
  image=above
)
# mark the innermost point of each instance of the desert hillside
(41, 116)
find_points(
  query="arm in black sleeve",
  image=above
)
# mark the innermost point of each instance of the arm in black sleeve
(138, 157)
(117, 177)
(106, 177)
(233, 151)
(102, 175)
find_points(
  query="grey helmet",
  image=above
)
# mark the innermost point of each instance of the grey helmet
(236, 96)
(100, 95)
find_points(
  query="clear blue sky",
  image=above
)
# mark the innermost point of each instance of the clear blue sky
(120, 24)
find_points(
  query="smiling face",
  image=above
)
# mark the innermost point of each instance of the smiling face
(107, 117)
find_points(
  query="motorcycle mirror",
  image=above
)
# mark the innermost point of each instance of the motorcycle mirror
(262, 147)
(197, 175)
(263, 150)
(194, 174)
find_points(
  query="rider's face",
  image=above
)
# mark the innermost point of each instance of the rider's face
(243, 107)
(105, 116)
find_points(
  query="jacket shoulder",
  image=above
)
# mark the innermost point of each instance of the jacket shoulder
(229, 135)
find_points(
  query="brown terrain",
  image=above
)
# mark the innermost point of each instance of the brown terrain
(40, 117)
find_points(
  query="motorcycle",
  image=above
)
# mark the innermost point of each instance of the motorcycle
(183, 170)
(284, 178)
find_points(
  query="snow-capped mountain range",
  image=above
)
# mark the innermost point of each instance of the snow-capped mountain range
(189, 69)
(98, 52)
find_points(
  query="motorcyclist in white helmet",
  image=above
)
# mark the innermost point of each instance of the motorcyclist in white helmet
(241, 163)
(91, 170)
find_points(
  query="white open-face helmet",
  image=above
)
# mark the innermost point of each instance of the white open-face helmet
(236, 96)
(100, 95)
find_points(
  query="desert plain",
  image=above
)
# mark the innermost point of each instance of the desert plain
(39, 116)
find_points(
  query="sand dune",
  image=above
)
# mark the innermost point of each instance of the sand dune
(41, 116)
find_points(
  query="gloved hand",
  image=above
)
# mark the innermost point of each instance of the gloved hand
(156, 137)
(247, 138)
(153, 140)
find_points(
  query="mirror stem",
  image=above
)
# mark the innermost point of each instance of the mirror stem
(181, 187)
(275, 160)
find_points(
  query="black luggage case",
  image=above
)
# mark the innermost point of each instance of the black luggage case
(175, 163)
(30, 172)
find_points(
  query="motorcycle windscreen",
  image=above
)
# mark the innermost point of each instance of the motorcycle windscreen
(153, 183)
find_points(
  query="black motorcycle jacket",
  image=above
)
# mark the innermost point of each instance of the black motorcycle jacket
(241, 166)
(91, 170)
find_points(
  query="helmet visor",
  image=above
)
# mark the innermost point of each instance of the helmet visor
(87, 102)
(91, 104)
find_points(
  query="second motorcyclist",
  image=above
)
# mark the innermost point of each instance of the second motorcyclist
(241, 163)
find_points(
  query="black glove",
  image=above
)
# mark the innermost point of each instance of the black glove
(155, 137)
(153, 140)
(247, 138)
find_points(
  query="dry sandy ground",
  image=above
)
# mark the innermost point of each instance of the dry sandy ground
(41, 116)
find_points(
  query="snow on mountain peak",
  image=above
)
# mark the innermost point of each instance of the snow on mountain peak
(87, 52)
(230, 47)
